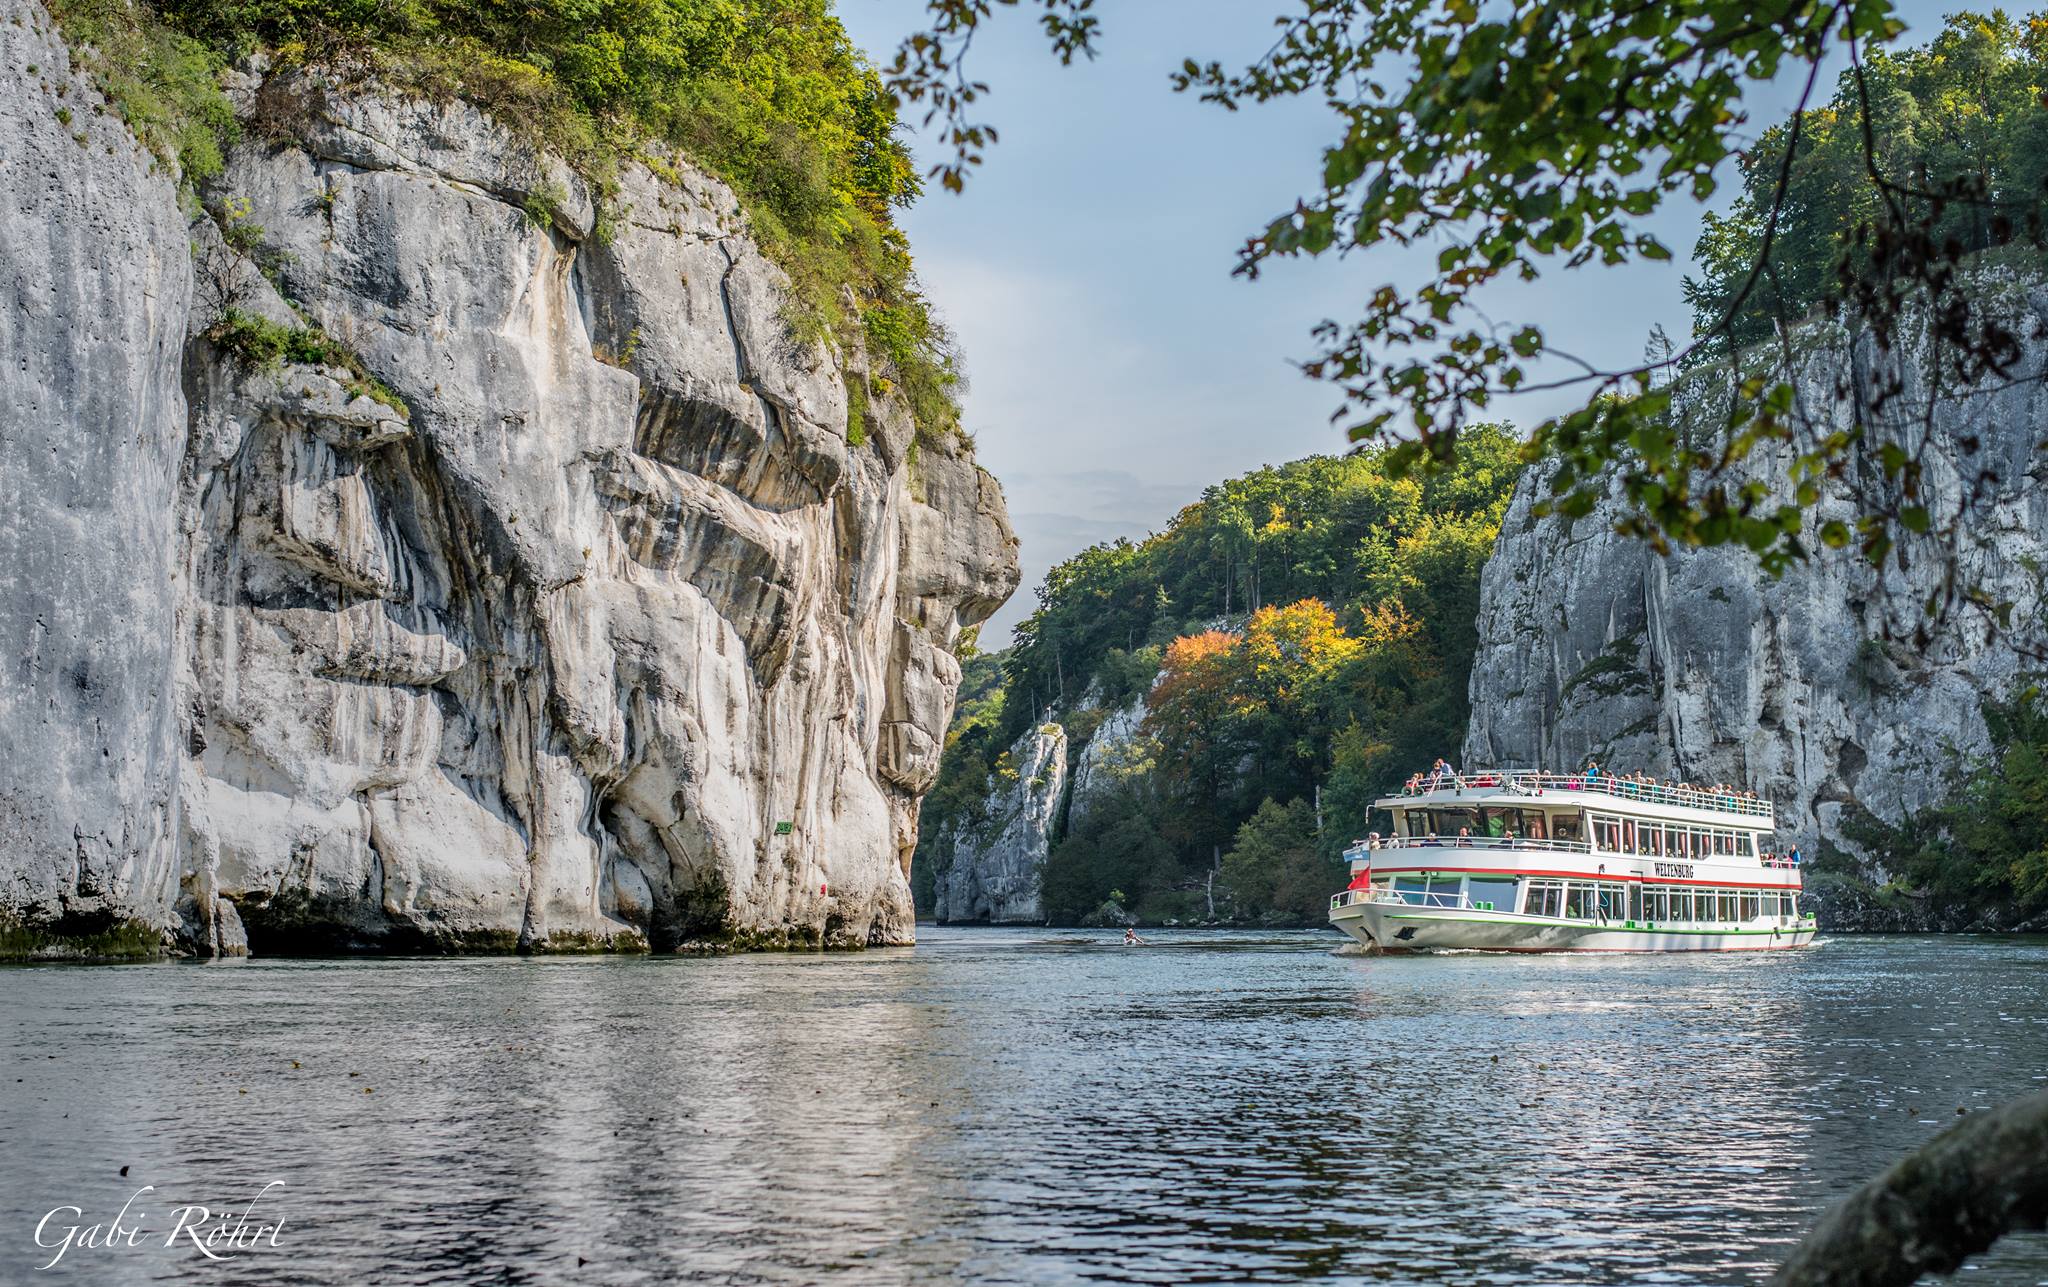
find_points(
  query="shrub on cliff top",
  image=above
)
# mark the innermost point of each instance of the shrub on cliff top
(769, 95)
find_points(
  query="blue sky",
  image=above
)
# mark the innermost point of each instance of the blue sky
(1116, 368)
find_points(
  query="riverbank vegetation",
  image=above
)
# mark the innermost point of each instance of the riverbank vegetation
(1982, 855)
(769, 95)
(1300, 640)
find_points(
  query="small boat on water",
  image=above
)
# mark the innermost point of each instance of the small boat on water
(1502, 861)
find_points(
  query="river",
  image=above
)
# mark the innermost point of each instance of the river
(1030, 1106)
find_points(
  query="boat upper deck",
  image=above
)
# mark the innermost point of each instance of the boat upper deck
(1592, 789)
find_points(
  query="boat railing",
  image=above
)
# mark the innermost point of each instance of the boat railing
(1472, 842)
(1409, 898)
(1534, 783)
(1786, 861)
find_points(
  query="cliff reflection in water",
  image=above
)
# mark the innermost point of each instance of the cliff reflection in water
(1018, 1106)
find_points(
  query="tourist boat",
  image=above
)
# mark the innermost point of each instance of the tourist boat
(1556, 862)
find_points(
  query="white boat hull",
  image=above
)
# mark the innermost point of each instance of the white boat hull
(1402, 927)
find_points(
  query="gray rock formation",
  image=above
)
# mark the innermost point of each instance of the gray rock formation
(607, 636)
(1700, 667)
(998, 863)
(95, 287)
(1116, 749)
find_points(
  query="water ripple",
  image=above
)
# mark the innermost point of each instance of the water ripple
(1005, 1107)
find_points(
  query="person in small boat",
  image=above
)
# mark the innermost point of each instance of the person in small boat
(1131, 938)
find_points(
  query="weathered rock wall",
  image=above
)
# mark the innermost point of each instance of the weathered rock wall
(607, 636)
(1701, 667)
(997, 869)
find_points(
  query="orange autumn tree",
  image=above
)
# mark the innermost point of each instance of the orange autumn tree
(1193, 708)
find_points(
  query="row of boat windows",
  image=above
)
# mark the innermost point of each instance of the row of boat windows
(1669, 839)
(1597, 900)
(1524, 824)
(1612, 834)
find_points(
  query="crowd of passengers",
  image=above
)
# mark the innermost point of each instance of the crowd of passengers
(1589, 777)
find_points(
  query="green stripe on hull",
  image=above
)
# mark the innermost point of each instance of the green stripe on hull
(1424, 929)
(1586, 925)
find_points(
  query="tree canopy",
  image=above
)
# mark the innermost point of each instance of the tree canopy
(1532, 137)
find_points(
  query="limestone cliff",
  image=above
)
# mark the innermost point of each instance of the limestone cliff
(992, 864)
(997, 867)
(1700, 667)
(583, 623)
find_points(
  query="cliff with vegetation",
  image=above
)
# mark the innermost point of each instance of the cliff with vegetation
(462, 493)
(1192, 727)
(1827, 688)
(1883, 695)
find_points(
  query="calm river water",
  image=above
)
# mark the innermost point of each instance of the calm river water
(998, 1106)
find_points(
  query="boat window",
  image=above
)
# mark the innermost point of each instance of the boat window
(1418, 823)
(1727, 901)
(1502, 821)
(1681, 904)
(1535, 831)
(1656, 905)
(1579, 901)
(1611, 902)
(1565, 826)
(1752, 907)
(1413, 889)
(1447, 821)
(1546, 898)
(1492, 893)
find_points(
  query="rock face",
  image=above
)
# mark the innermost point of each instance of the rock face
(96, 296)
(998, 865)
(606, 636)
(1700, 667)
(1117, 748)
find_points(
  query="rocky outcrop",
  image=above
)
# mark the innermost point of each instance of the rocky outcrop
(997, 867)
(1809, 688)
(1116, 749)
(95, 292)
(582, 624)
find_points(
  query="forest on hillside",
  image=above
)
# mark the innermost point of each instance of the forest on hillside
(1301, 637)
(1311, 626)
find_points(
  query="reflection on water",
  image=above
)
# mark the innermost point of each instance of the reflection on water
(1004, 1106)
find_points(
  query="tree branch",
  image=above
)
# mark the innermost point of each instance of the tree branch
(1953, 1197)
